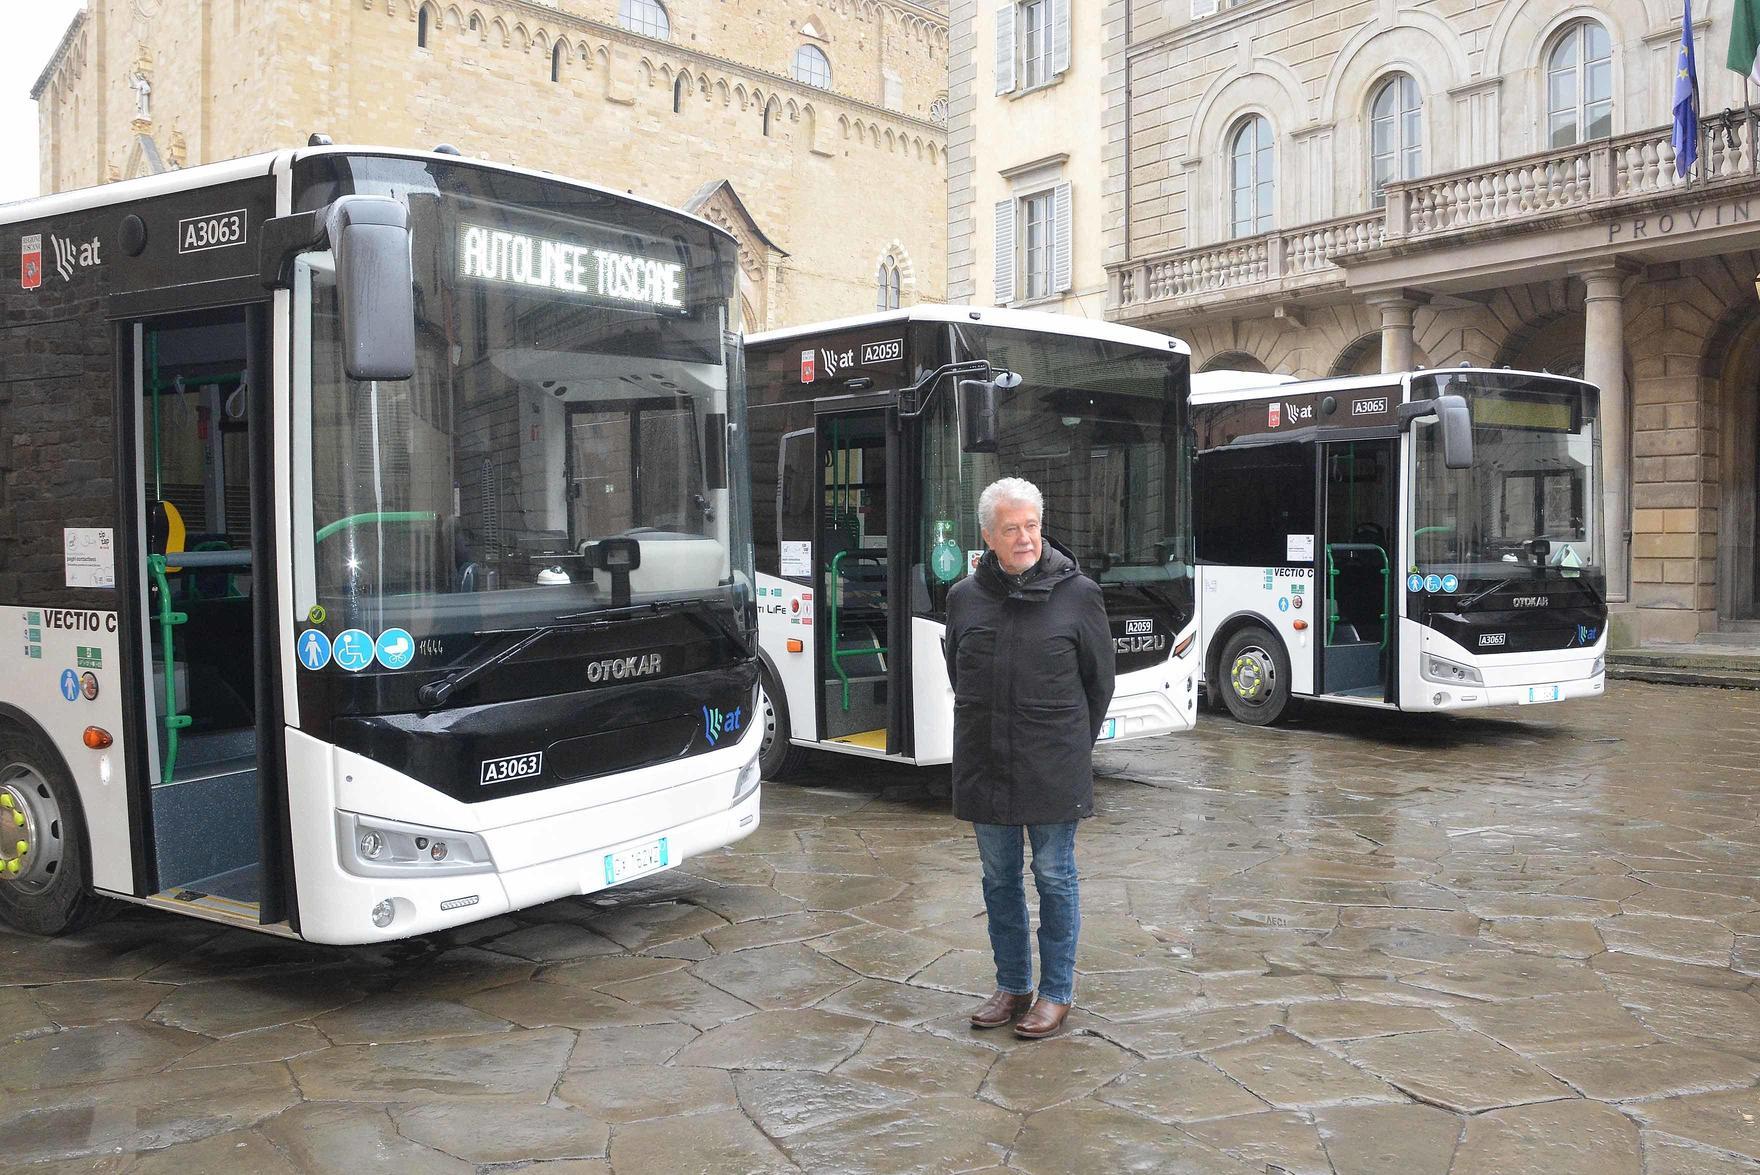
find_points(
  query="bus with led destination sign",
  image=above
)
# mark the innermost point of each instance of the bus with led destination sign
(409, 545)
(1427, 541)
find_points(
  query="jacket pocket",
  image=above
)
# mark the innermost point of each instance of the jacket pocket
(974, 665)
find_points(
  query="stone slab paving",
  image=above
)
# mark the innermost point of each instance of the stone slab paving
(1362, 944)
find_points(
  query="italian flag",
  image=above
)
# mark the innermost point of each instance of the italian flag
(1744, 38)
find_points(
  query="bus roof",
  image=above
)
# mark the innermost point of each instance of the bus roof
(1058, 324)
(1222, 387)
(271, 163)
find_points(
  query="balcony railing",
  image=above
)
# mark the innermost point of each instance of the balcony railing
(1511, 194)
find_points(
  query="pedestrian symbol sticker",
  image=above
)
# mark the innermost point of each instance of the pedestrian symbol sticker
(1414, 582)
(70, 685)
(1433, 582)
(1283, 603)
(394, 648)
(314, 649)
(1450, 583)
(354, 650)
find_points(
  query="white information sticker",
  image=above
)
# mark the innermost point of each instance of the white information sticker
(89, 553)
(1299, 548)
(797, 559)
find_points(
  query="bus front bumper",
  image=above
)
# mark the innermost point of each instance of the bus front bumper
(1438, 697)
(1162, 699)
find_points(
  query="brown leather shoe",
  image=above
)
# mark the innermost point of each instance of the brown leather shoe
(999, 1009)
(1044, 1019)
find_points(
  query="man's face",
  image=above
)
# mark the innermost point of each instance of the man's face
(1015, 536)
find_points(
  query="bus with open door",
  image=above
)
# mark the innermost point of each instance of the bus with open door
(871, 440)
(374, 541)
(1431, 540)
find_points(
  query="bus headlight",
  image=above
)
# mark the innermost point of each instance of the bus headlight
(1599, 667)
(1437, 669)
(371, 847)
(749, 778)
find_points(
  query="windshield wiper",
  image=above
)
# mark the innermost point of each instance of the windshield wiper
(435, 693)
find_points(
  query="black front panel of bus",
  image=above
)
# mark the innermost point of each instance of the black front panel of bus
(1524, 615)
(629, 688)
(1146, 622)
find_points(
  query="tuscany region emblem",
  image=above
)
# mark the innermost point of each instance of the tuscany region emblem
(1275, 416)
(30, 262)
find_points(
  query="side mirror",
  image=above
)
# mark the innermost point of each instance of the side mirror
(978, 425)
(375, 287)
(1457, 431)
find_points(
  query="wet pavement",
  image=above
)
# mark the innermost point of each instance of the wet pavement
(1362, 943)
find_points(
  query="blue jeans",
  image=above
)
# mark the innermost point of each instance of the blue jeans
(1005, 901)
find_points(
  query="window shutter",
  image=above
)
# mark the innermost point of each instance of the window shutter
(1005, 261)
(1203, 8)
(1005, 47)
(1059, 36)
(1060, 262)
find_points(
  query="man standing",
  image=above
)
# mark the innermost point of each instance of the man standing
(1029, 654)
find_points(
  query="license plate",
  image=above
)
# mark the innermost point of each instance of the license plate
(1543, 693)
(1110, 730)
(634, 862)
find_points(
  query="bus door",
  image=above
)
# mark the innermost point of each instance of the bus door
(859, 581)
(1355, 569)
(207, 838)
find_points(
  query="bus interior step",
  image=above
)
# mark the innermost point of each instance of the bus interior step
(869, 740)
(242, 885)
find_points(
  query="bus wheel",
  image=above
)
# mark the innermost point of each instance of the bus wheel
(1255, 677)
(777, 757)
(45, 875)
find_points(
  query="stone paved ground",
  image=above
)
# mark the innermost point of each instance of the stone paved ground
(1365, 943)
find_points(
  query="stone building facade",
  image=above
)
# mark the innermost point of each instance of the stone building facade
(810, 129)
(1025, 163)
(1330, 186)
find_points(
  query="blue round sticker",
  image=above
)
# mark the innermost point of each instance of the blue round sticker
(1283, 603)
(1433, 582)
(1414, 582)
(314, 649)
(70, 685)
(354, 650)
(1450, 583)
(394, 648)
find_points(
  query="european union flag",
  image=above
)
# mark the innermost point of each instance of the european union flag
(1686, 99)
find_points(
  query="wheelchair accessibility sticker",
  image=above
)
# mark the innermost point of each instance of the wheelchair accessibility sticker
(354, 650)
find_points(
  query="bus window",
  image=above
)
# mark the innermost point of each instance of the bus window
(1251, 500)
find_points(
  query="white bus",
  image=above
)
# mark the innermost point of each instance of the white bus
(374, 540)
(872, 438)
(1423, 541)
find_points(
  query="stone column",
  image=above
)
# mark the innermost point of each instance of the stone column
(1397, 308)
(1604, 365)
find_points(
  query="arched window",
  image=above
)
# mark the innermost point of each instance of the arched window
(769, 107)
(644, 16)
(678, 93)
(422, 19)
(1251, 177)
(1396, 135)
(556, 62)
(1579, 86)
(888, 284)
(812, 67)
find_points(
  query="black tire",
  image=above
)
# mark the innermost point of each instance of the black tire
(777, 757)
(1253, 677)
(50, 890)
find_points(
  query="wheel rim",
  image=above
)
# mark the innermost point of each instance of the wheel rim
(1253, 676)
(768, 713)
(30, 830)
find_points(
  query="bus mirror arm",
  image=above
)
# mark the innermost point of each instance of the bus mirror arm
(975, 387)
(1457, 426)
(375, 279)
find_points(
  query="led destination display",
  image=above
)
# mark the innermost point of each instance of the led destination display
(490, 254)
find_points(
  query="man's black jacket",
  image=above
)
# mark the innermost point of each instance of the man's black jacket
(1031, 666)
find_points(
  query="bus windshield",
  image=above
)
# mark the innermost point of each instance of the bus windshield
(1098, 426)
(575, 383)
(1531, 503)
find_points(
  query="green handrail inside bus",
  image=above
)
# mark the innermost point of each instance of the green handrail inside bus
(1424, 530)
(372, 516)
(168, 620)
(838, 654)
(1332, 570)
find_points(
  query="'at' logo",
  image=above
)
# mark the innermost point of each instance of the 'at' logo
(30, 265)
(717, 725)
(1276, 416)
(806, 367)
